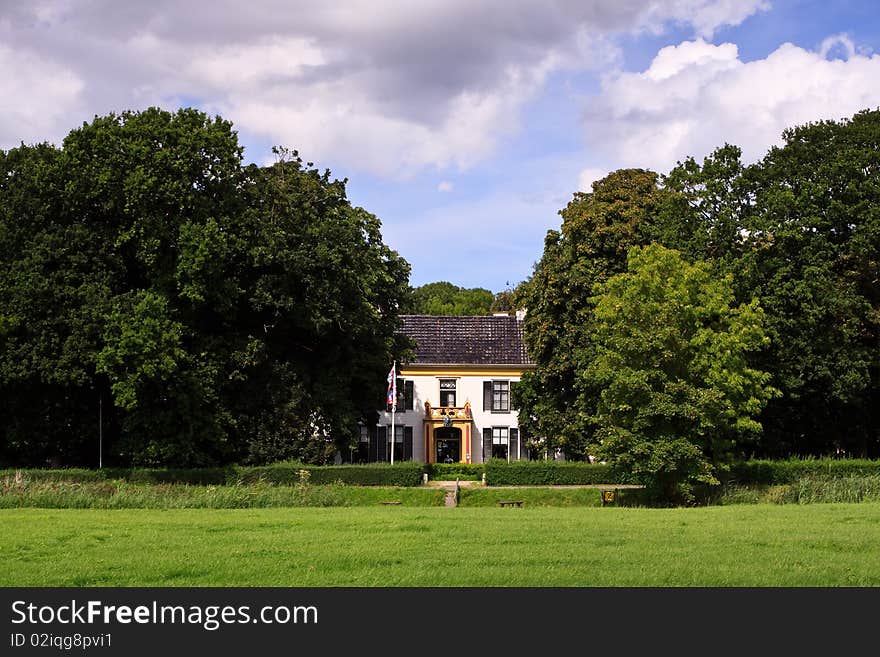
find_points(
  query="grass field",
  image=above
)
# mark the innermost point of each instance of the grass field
(745, 545)
(530, 497)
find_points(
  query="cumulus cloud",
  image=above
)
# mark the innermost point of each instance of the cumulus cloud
(380, 85)
(35, 96)
(588, 176)
(695, 96)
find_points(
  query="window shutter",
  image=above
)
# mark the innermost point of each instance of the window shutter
(487, 444)
(382, 444)
(407, 443)
(409, 396)
(514, 444)
(373, 450)
(487, 395)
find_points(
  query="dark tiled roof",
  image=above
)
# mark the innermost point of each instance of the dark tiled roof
(460, 340)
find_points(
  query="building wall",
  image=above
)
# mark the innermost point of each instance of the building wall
(469, 387)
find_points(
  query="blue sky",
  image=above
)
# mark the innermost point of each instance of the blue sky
(464, 126)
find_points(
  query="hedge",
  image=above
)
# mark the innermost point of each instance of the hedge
(438, 470)
(547, 473)
(407, 473)
(789, 471)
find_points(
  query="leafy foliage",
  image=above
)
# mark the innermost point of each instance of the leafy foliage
(218, 312)
(671, 362)
(547, 473)
(444, 298)
(598, 230)
(800, 231)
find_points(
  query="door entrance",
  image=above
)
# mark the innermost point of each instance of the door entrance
(448, 445)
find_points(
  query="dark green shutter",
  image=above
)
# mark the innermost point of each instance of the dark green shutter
(407, 443)
(408, 396)
(487, 395)
(373, 450)
(514, 443)
(382, 444)
(487, 444)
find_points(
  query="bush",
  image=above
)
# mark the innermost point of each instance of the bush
(792, 470)
(463, 471)
(72, 475)
(406, 473)
(547, 473)
(195, 476)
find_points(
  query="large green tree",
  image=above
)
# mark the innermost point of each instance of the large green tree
(800, 230)
(598, 229)
(677, 392)
(215, 311)
(445, 298)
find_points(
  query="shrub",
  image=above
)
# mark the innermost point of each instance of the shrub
(791, 470)
(406, 473)
(463, 471)
(547, 473)
(65, 474)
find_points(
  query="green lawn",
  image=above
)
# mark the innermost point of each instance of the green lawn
(761, 545)
(537, 496)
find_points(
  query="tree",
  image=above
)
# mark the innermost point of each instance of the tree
(813, 261)
(671, 361)
(598, 229)
(800, 230)
(444, 298)
(222, 312)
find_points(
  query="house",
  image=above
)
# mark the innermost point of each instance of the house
(454, 402)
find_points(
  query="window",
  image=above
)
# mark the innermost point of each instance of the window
(499, 443)
(405, 396)
(403, 441)
(496, 396)
(447, 392)
(363, 448)
(408, 396)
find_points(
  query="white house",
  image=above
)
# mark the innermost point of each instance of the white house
(454, 397)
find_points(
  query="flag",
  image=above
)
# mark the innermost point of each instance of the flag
(391, 399)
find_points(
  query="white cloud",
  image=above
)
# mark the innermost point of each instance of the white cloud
(588, 176)
(35, 96)
(381, 86)
(695, 96)
(445, 186)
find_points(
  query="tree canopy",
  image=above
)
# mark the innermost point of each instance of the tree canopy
(798, 232)
(676, 389)
(444, 298)
(216, 311)
(598, 229)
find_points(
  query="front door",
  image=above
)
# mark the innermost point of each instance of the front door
(447, 445)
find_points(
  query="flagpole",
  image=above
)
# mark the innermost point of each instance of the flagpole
(393, 408)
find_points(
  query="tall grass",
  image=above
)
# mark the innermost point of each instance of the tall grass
(18, 491)
(808, 490)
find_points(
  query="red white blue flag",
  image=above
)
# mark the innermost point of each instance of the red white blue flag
(391, 399)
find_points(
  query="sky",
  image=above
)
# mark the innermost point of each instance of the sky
(464, 125)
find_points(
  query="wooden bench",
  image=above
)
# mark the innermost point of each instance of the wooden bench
(510, 503)
(390, 503)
